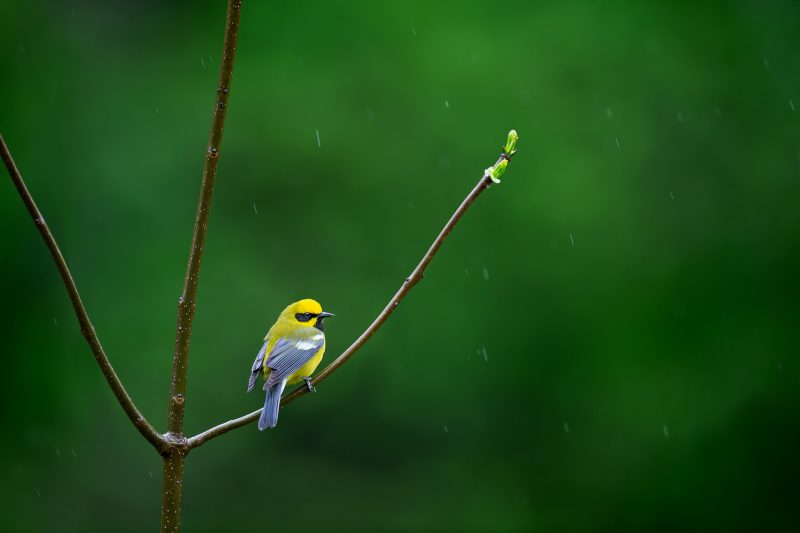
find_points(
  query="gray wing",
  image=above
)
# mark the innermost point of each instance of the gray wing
(292, 352)
(257, 364)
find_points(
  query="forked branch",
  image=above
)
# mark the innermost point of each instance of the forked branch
(491, 175)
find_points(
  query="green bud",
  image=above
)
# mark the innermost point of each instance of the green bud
(511, 143)
(496, 171)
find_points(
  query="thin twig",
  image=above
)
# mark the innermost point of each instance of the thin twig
(405, 288)
(87, 329)
(187, 300)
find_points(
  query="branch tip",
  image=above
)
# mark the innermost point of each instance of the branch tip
(495, 171)
(511, 144)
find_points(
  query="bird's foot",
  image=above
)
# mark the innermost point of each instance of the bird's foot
(309, 386)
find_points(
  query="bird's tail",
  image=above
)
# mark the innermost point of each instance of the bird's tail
(269, 415)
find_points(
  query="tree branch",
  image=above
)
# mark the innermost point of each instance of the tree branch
(187, 300)
(491, 175)
(87, 329)
(174, 457)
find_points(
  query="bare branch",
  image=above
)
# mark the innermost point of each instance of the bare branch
(216, 431)
(87, 329)
(491, 174)
(187, 301)
(174, 458)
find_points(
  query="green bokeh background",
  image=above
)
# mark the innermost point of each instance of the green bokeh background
(633, 282)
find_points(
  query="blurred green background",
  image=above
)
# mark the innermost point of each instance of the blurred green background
(608, 341)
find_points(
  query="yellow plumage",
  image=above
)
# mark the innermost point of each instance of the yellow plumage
(283, 327)
(292, 350)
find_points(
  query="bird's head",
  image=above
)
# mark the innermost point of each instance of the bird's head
(306, 312)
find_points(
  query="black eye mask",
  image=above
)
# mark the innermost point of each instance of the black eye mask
(304, 317)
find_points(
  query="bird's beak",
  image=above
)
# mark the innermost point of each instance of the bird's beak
(324, 314)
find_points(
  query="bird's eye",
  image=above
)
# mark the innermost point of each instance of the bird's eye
(308, 315)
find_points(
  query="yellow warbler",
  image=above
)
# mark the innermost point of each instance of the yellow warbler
(292, 349)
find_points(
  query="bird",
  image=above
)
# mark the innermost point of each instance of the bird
(292, 350)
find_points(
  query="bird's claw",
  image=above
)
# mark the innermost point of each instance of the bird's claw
(309, 386)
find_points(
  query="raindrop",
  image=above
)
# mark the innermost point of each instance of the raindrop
(566, 427)
(254, 208)
(466, 272)
(38, 493)
(202, 62)
(671, 195)
(55, 321)
(445, 429)
(318, 143)
(609, 113)
(766, 62)
(665, 428)
(485, 354)
(791, 105)
(157, 111)
(447, 104)
(617, 141)
(72, 451)
(150, 474)
(486, 273)
(414, 31)
(572, 239)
